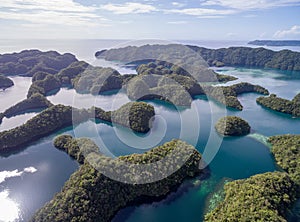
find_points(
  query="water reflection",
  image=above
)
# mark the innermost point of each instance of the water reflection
(9, 210)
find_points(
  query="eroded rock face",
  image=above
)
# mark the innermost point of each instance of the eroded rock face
(232, 126)
(89, 195)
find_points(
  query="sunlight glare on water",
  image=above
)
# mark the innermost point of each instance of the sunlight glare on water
(9, 210)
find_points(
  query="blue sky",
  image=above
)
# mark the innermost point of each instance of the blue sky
(148, 19)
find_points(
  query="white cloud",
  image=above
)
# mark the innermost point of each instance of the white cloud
(251, 4)
(293, 32)
(178, 4)
(55, 12)
(15, 173)
(49, 5)
(211, 16)
(54, 18)
(201, 11)
(129, 8)
(177, 22)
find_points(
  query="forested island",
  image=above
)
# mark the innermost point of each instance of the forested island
(278, 104)
(233, 56)
(232, 126)
(268, 196)
(29, 62)
(134, 115)
(227, 95)
(275, 42)
(286, 151)
(5, 82)
(34, 102)
(90, 195)
(263, 197)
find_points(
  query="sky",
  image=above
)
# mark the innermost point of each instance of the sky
(150, 19)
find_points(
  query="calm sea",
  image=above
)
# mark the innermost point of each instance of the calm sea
(31, 176)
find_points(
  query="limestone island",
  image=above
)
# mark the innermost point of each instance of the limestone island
(227, 95)
(232, 126)
(233, 56)
(275, 42)
(265, 197)
(34, 102)
(91, 195)
(29, 62)
(281, 105)
(286, 151)
(5, 82)
(135, 115)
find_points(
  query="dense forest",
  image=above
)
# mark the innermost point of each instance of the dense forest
(278, 104)
(233, 56)
(90, 195)
(232, 126)
(60, 116)
(268, 196)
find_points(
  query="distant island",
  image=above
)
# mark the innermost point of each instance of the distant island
(232, 56)
(275, 42)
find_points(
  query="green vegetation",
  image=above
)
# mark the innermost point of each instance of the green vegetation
(96, 80)
(251, 57)
(263, 197)
(44, 86)
(59, 116)
(232, 126)
(165, 68)
(233, 56)
(45, 123)
(171, 88)
(5, 82)
(69, 73)
(281, 105)
(134, 115)
(286, 149)
(29, 62)
(90, 195)
(227, 95)
(36, 101)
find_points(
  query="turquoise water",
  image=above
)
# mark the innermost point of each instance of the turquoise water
(32, 175)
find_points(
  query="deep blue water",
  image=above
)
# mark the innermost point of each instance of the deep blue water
(33, 175)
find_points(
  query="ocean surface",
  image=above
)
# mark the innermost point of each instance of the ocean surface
(31, 176)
